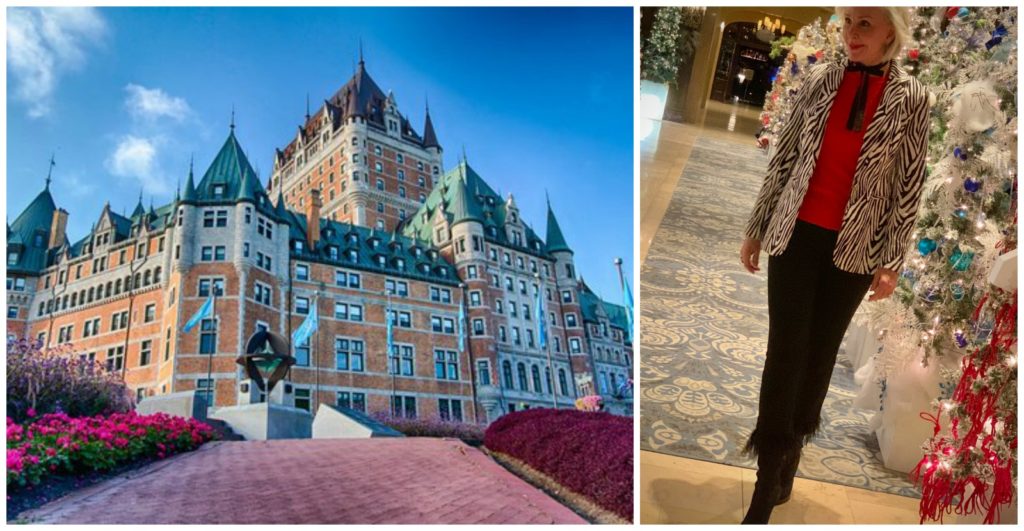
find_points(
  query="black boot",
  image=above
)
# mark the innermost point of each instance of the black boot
(789, 465)
(767, 488)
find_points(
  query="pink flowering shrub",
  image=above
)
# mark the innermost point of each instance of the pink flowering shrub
(59, 380)
(432, 427)
(590, 454)
(589, 403)
(59, 444)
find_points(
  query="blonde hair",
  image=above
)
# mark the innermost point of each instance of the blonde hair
(899, 18)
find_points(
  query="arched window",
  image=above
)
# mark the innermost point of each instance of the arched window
(92, 291)
(562, 387)
(521, 369)
(138, 280)
(536, 379)
(506, 369)
(117, 286)
(146, 277)
(547, 379)
(110, 286)
(156, 275)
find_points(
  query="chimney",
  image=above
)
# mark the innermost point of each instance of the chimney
(313, 218)
(58, 226)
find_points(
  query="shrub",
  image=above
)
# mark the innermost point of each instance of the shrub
(590, 454)
(57, 380)
(59, 444)
(433, 427)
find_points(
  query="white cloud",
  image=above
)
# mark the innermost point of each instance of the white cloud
(135, 158)
(42, 44)
(153, 103)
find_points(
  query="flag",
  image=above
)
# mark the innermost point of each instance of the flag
(306, 329)
(462, 326)
(204, 311)
(393, 363)
(628, 299)
(542, 325)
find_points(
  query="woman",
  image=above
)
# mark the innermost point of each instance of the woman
(835, 215)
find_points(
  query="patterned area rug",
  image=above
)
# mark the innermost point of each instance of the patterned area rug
(704, 328)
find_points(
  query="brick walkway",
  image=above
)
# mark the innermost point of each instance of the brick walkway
(354, 481)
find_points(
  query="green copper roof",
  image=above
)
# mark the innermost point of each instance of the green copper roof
(480, 202)
(616, 314)
(462, 208)
(31, 234)
(556, 241)
(231, 170)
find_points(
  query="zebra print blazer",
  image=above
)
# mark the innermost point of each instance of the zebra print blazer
(887, 183)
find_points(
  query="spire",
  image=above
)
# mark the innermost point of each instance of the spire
(139, 210)
(462, 207)
(555, 239)
(190, 185)
(232, 118)
(307, 106)
(49, 172)
(429, 136)
(279, 207)
(360, 51)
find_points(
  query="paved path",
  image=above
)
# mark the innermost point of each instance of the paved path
(352, 481)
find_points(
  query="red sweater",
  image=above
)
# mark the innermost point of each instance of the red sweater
(832, 181)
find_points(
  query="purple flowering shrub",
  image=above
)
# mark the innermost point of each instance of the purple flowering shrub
(588, 453)
(432, 427)
(59, 381)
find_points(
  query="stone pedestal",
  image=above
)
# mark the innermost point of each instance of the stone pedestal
(261, 422)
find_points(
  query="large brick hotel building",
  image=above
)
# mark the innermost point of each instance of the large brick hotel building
(358, 216)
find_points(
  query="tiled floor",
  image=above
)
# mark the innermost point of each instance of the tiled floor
(674, 490)
(686, 491)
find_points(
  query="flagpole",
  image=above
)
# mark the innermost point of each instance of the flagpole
(547, 345)
(472, 362)
(387, 349)
(316, 352)
(216, 340)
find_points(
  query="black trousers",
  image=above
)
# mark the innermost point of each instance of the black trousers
(810, 304)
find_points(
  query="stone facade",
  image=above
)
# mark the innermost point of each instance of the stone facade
(123, 293)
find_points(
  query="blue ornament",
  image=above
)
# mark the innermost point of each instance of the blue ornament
(961, 341)
(961, 260)
(972, 185)
(932, 295)
(1000, 30)
(926, 246)
(994, 41)
(963, 12)
(960, 213)
(811, 59)
(959, 153)
(794, 69)
(958, 291)
(833, 18)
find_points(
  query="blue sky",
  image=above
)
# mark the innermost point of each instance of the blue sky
(541, 99)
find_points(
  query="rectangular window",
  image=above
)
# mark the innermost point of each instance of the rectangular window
(150, 313)
(205, 389)
(301, 272)
(218, 253)
(302, 305)
(206, 283)
(450, 409)
(302, 353)
(351, 400)
(302, 399)
(474, 298)
(348, 355)
(115, 358)
(402, 360)
(403, 406)
(207, 336)
(483, 372)
(574, 345)
(145, 351)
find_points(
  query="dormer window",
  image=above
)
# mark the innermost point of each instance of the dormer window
(400, 263)
(12, 258)
(38, 240)
(377, 151)
(332, 252)
(374, 242)
(433, 255)
(297, 246)
(352, 238)
(425, 268)
(218, 191)
(381, 261)
(492, 231)
(513, 217)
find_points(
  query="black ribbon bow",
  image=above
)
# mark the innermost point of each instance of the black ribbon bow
(855, 122)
